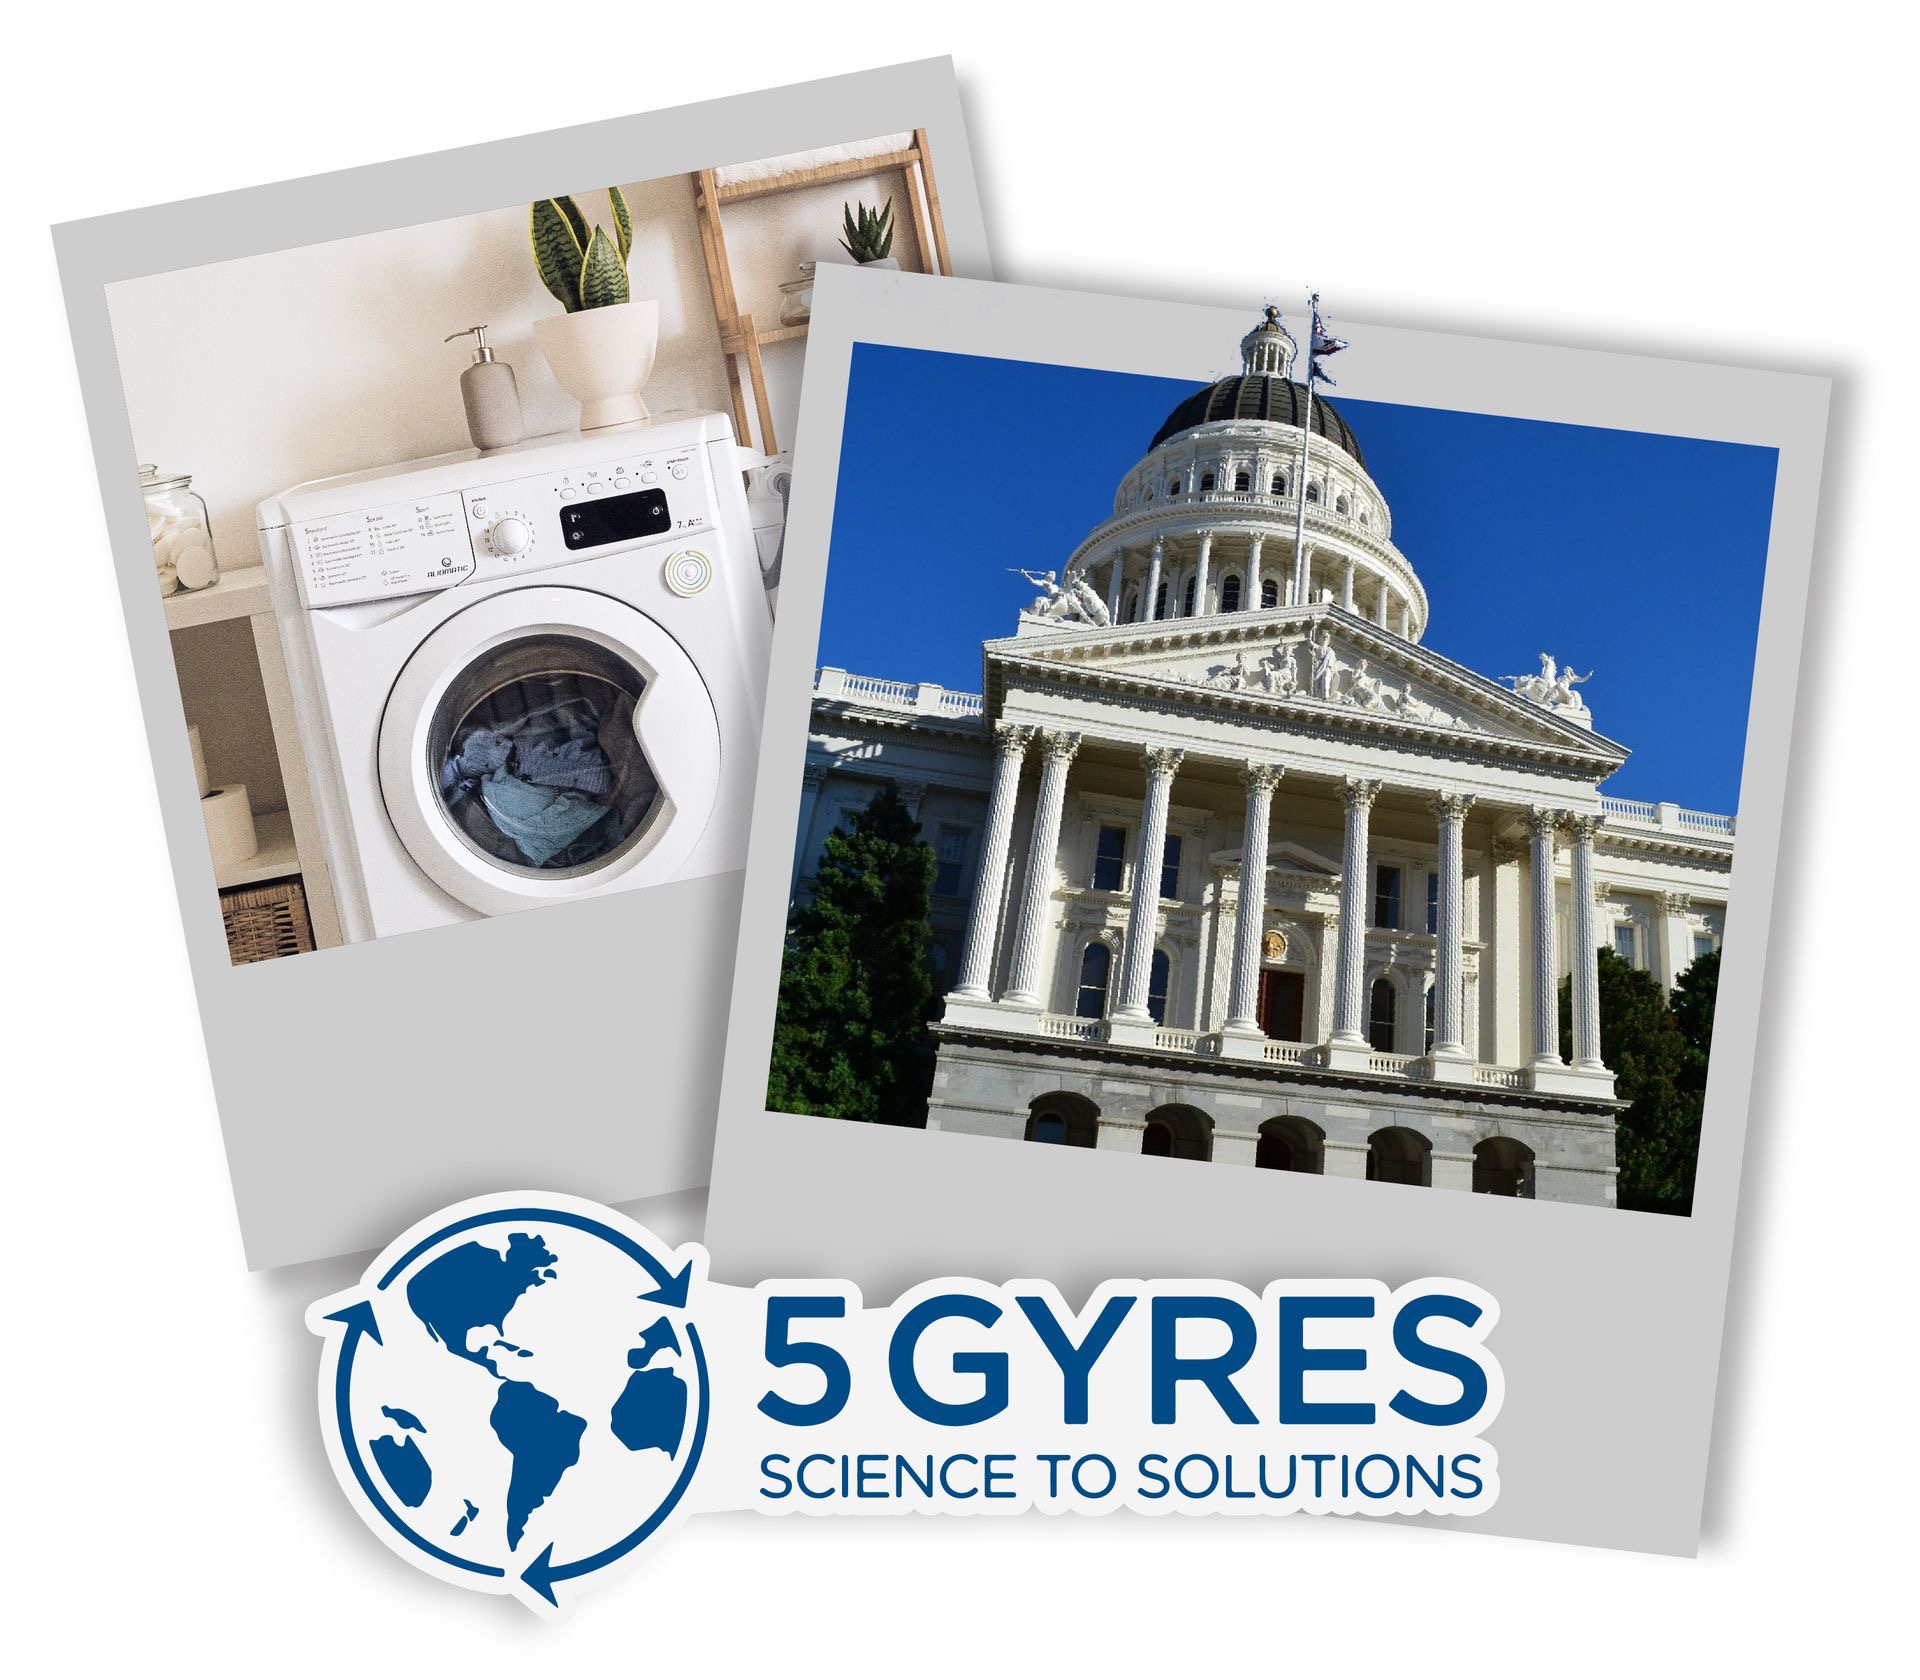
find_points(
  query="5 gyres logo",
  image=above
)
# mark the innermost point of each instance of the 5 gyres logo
(516, 1397)
(516, 1463)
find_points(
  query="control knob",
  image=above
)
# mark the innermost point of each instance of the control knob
(511, 536)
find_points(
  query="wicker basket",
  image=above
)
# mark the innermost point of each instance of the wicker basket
(266, 921)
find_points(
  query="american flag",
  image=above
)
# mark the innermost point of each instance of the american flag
(1324, 344)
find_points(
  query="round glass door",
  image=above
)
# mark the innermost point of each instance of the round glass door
(533, 753)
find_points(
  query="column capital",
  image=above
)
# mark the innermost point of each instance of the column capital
(1360, 793)
(1676, 903)
(1011, 737)
(1162, 761)
(814, 774)
(1582, 826)
(1451, 804)
(1545, 819)
(1060, 744)
(1261, 778)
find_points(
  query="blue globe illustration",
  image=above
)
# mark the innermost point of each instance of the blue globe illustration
(520, 1397)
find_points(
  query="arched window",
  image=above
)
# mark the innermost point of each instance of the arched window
(1132, 613)
(1269, 592)
(1243, 481)
(1177, 1130)
(1186, 609)
(1279, 485)
(1290, 1144)
(1160, 600)
(1342, 505)
(1429, 1042)
(1502, 1167)
(1381, 1012)
(1313, 492)
(1158, 974)
(1230, 593)
(1365, 517)
(1095, 964)
(1206, 481)
(1397, 1155)
(1063, 1117)
(1173, 487)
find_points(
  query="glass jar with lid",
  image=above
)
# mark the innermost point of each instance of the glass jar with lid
(178, 527)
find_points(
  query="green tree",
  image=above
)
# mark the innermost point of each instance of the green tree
(849, 1034)
(1659, 1074)
(1694, 995)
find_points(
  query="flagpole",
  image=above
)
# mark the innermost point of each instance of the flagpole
(1300, 489)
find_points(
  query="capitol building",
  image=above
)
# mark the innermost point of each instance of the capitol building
(1231, 867)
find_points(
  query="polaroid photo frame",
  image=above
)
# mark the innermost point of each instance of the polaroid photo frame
(1464, 890)
(336, 760)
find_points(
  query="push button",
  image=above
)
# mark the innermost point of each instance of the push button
(678, 471)
(688, 572)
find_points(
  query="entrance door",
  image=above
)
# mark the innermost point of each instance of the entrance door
(1283, 1001)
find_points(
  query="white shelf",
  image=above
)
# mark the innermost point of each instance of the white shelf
(240, 593)
(276, 856)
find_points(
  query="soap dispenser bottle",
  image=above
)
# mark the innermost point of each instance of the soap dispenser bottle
(491, 394)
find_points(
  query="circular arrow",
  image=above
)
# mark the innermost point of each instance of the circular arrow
(360, 1321)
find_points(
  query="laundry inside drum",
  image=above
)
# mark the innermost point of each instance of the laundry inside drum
(535, 758)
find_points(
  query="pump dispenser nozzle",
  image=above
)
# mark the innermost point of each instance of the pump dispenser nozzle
(491, 395)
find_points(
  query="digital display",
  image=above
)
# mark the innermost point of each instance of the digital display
(615, 519)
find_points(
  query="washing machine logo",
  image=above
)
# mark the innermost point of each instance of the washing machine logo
(515, 1398)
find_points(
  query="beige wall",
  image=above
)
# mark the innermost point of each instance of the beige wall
(265, 372)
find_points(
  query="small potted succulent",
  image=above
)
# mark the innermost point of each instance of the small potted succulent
(602, 349)
(869, 236)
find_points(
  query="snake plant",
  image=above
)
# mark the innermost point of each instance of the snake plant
(871, 236)
(580, 265)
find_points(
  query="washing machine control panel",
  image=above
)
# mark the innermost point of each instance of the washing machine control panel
(516, 525)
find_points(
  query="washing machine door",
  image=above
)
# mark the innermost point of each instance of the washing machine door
(546, 744)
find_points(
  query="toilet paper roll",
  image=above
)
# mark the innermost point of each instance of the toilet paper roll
(230, 836)
(199, 762)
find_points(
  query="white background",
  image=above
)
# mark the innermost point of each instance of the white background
(1727, 186)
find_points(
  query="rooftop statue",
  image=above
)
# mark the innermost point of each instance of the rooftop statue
(1075, 603)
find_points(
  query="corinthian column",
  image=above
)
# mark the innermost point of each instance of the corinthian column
(1586, 953)
(1449, 1015)
(1543, 825)
(990, 879)
(1150, 607)
(1359, 796)
(1252, 602)
(1244, 997)
(1022, 983)
(1200, 575)
(1143, 913)
(1113, 584)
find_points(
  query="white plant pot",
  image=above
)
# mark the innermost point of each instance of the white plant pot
(883, 262)
(603, 357)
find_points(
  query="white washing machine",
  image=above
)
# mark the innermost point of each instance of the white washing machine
(525, 677)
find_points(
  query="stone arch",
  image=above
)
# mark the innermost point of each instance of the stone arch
(1399, 1155)
(1503, 1166)
(1063, 1117)
(1291, 1143)
(1178, 1130)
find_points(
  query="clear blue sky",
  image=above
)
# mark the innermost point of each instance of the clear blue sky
(1631, 554)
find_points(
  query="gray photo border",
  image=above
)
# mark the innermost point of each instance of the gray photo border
(1610, 1321)
(339, 1129)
